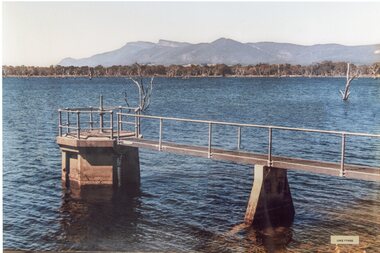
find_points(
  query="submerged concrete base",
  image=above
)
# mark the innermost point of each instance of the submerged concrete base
(270, 203)
(98, 162)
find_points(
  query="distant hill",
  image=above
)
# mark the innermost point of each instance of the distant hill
(229, 52)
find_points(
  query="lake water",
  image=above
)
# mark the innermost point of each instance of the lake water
(188, 203)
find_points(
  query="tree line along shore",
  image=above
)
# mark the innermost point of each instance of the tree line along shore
(323, 69)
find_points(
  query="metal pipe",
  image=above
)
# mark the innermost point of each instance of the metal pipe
(121, 119)
(136, 127)
(101, 124)
(127, 123)
(138, 123)
(101, 114)
(239, 138)
(68, 123)
(118, 126)
(270, 147)
(342, 171)
(105, 108)
(87, 109)
(160, 136)
(59, 122)
(257, 126)
(78, 124)
(101, 103)
(111, 124)
(209, 139)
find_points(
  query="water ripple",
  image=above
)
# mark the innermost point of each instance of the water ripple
(187, 203)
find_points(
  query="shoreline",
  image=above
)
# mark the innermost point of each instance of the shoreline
(261, 70)
(189, 77)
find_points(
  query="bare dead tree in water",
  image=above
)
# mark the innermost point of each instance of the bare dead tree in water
(144, 89)
(145, 92)
(349, 79)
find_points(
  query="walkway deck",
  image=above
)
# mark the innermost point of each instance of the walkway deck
(351, 171)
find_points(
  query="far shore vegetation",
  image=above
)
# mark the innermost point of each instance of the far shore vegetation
(323, 69)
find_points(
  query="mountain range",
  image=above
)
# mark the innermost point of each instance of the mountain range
(228, 51)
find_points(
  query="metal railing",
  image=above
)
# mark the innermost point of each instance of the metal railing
(79, 124)
(239, 127)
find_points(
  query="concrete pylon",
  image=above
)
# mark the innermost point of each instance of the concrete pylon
(270, 203)
(126, 173)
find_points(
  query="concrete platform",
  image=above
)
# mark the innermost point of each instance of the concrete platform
(95, 159)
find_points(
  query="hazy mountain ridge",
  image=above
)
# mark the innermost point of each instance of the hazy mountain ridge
(229, 52)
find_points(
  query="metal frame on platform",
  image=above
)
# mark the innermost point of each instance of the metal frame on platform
(270, 128)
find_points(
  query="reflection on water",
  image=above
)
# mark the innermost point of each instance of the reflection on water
(105, 217)
(271, 239)
(94, 218)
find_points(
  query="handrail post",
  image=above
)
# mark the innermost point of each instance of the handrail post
(111, 124)
(342, 171)
(59, 122)
(118, 126)
(136, 126)
(209, 139)
(160, 136)
(121, 118)
(91, 119)
(138, 123)
(101, 125)
(78, 124)
(68, 121)
(239, 138)
(101, 102)
(270, 163)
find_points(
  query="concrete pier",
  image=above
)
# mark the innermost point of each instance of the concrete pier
(270, 203)
(103, 152)
(98, 161)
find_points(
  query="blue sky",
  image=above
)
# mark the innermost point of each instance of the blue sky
(42, 33)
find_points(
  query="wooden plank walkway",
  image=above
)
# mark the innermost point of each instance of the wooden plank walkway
(321, 167)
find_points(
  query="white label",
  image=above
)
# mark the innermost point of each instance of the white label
(344, 239)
